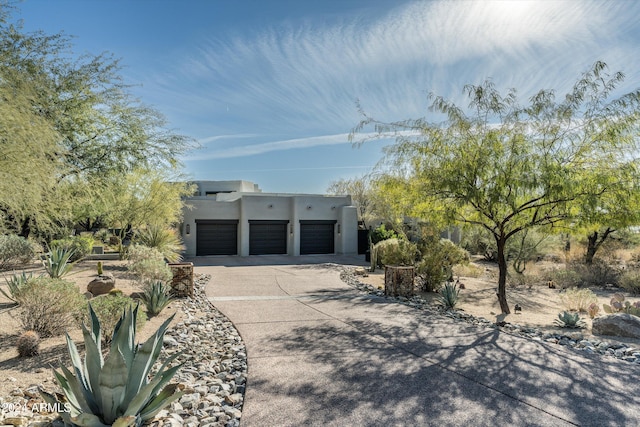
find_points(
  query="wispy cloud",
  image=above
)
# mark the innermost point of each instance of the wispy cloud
(210, 139)
(265, 147)
(305, 78)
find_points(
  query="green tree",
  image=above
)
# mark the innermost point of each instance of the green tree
(76, 123)
(509, 168)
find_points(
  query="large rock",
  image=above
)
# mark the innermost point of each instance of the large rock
(619, 324)
(101, 284)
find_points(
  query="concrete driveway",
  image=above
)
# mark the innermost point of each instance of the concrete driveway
(321, 353)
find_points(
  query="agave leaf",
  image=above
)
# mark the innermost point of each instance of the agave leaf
(75, 393)
(113, 381)
(93, 363)
(164, 398)
(52, 400)
(88, 420)
(124, 335)
(144, 360)
(150, 390)
(127, 421)
(96, 329)
(165, 378)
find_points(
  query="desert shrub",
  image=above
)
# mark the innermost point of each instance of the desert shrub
(103, 235)
(381, 233)
(437, 261)
(50, 306)
(148, 264)
(165, 240)
(468, 270)
(397, 252)
(630, 281)
(15, 250)
(478, 241)
(563, 278)
(597, 274)
(575, 299)
(109, 309)
(80, 246)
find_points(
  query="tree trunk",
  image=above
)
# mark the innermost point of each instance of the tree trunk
(594, 241)
(502, 277)
(25, 228)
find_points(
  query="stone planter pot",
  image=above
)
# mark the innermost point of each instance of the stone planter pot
(182, 282)
(398, 281)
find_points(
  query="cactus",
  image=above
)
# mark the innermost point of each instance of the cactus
(119, 389)
(619, 305)
(568, 319)
(100, 271)
(593, 310)
(28, 344)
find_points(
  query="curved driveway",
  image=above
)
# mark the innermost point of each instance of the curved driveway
(321, 353)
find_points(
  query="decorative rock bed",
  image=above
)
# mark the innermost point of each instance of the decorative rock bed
(212, 378)
(573, 339)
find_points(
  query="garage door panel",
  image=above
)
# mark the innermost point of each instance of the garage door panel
(216, 238)
(268, 237)
(317, 237)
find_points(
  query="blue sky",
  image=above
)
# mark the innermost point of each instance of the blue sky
(269, 88)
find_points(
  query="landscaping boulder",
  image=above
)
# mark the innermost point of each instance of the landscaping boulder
(618, 324)
(101, 284)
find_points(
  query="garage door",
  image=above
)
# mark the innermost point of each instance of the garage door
(316, 237)
(267, 237)
(219, 237)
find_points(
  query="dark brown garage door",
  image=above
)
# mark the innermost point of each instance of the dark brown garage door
(216, 237)
(316, 237)
(267, 237)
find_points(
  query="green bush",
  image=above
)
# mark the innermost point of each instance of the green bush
(50, 306)
(81, 246)
(165, 240)
(148, 264)
(381, 233)
(564, 278)
(436, 265)
(15, 250)
(109, 309)
(579, 300)
(397, 252)
(630, 281)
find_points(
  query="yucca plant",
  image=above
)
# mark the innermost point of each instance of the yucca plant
(117, 391)
(449, 295)
(165, 240)
(57, 264)
(156, 297)
(15, 283)
(568, 319)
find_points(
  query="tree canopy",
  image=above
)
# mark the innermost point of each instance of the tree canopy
(67, 123)
(509, 167)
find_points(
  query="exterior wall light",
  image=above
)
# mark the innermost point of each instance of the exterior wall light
(188, 231)
(270, 206)
(308, 207)
(338, 228)
(291, 229)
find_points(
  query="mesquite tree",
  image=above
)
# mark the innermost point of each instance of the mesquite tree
(508, 167)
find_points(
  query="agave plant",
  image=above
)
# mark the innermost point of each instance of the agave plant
(117, 391)
(15, 283)
(568, 319)
(449, 295)
(156, 297)
(57, 264)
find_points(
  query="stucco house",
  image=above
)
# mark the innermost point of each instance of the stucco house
(237, 218)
